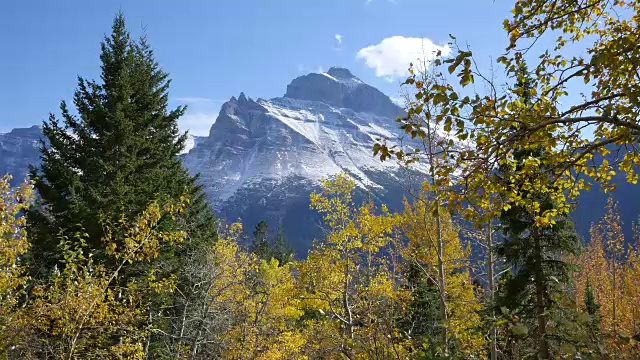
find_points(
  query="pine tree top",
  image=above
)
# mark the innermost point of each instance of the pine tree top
(118, 154)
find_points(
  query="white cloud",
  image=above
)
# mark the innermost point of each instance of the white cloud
(197, 123)
(338, 39)
(391, 57)
(201, 114)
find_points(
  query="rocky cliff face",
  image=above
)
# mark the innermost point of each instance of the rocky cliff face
(262, 158)
(19, 149)
(339, 88)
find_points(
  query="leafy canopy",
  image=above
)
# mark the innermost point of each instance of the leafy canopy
(490, 125)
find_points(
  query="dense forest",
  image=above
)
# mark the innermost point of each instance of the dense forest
(111, 250)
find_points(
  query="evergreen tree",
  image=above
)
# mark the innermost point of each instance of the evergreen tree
(282, 250)
(590, 304)
(260, 242)
(539, 275)
(535, 257)
(592, 308)
(267, 248)
(112, 159)
(420, 320)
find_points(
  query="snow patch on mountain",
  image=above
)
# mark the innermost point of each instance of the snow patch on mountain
(190, 143)
(346, 79)
(305, 134)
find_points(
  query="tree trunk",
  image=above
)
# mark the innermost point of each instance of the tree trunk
(493, 351)
(442, 283)
(542, 329)
(181, 336)
(148, 342)
(543, 346)
(614, 298)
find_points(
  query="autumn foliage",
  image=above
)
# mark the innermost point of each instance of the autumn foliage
(132, 265)
(611, 266)
(347, 298)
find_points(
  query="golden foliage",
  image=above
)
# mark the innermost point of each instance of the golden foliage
(13, 245)
(349, 284)
(84, 311)
(260, 299)
(612, 270)
(462, 304)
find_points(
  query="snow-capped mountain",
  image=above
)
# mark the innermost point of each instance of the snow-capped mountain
(263, 158)
(292, 136)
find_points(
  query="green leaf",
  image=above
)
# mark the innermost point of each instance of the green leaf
(584, 318)
(447, 125)
(466, 79)
(567, 349)
(520, 330)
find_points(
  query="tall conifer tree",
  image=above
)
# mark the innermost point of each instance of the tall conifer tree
(539, 274)
(260, 242)
(119, 153)
(282, 250)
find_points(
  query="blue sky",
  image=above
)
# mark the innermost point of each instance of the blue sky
(215, 49)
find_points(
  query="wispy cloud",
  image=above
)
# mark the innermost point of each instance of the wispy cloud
(391, 57)
(310, 69)
(196, 100)
(201, 114)
(198, 123)
(338, 38)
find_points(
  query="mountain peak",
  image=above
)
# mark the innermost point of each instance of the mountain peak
(340, 88)
(33, 131)
(340, 73)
